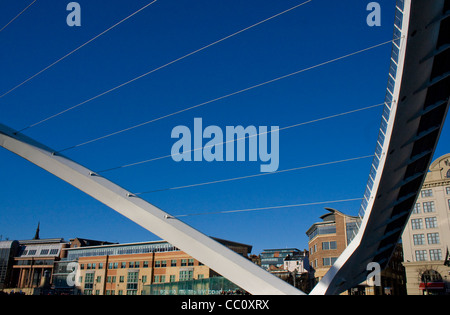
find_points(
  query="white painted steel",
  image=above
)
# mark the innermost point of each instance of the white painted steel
(224, 261)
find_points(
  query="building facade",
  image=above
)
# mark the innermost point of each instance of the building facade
(329, 238)
(426, 238)
(134, 269)
(8, 250)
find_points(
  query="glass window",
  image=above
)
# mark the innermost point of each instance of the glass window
(435, 254)
(173, 263)
(426, 193)
(433, 238)
(431, 222)
(328, 261)
(419, 239)
(421, 255)
(416, 208)
(448, 204)
(416, 224)
(448, 174)
(132, 282)
(184, 262)
(428, 207)
(447, 189)
(186, 275)
(329, 245)
(191, 262)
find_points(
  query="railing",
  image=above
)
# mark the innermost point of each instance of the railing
(387, 116)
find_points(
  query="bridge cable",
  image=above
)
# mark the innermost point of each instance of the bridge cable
(78, 48)
(250, 136)
(265, 208)
(159, 68)
(213, 100)
(23, 11)
(255, 175)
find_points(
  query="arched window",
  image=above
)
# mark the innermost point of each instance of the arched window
(448, 174)
(430, 276)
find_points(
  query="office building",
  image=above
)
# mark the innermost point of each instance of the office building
(426, 238)
(329, 238)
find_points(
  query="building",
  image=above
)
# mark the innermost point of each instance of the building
(288, 264)
(426, 238)
(8, 249)
(33, 264)
(136, 269)
(329, 238)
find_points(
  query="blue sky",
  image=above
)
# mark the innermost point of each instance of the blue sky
(314, 33)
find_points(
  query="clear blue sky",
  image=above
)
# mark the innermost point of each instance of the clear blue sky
(312, 34)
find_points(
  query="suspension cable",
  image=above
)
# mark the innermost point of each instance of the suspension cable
(234, 140)
(76, 49)
(156, 69)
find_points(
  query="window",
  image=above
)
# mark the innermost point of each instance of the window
(447, 189)
(145, 264)
(433, 238)
(431, 222)
(328, 261)
(157, 264)
(132, 282)
(448, 204)
(163, 263)
(191, 262)
(421, 255)
(89, 282)
(173, 263)
(416, 208)
(329, 245)
(416, 224)
(419, 239)
(123, 265)
(100, 266)
(53, 251)
(144, 279)
(184, 262)
(428, 207)
(448, 174)
(121, 279)
(186, 275)
(172, 278)
(435, 254)
(427, 193)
